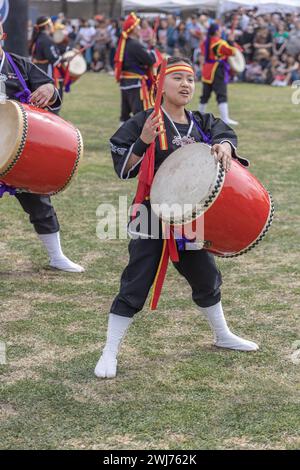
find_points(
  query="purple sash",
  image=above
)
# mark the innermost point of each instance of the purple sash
(205, 137)
(22, 96)
(6, 189)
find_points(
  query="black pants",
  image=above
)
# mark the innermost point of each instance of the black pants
(131, 103)
(41, 212)
(219, 87)
(198, 268)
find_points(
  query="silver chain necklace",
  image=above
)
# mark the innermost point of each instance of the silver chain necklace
(179, 140)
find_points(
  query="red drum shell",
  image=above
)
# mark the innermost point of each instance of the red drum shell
(48, 154)
(239, 216)
(229, 213)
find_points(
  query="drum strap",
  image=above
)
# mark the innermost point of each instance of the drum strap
(205, 137)
(22, 96)
(169, 251)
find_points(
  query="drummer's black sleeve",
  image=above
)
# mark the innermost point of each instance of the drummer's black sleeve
(125, 142)
(143, 56)
(37, 78)
(49, 50)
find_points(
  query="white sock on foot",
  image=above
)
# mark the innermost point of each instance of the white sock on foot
(202, 107)
(224, 113)
(58, 260)
(223, 337)
(106, 367)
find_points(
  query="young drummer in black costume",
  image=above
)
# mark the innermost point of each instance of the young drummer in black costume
(45, 53)
(132, 69)
(37, 88)
(128, 146)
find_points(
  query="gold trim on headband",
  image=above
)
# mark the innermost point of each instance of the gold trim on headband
(179, 68)
(48, 21)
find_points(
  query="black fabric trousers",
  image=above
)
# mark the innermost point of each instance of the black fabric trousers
(131, 103)
(41, 212)
(219, 87)
(196, 266)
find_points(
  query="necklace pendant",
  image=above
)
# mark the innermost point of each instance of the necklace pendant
(183, 141)
(177, 141)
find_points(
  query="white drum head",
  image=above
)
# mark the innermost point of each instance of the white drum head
(237, 62)
(59, 36)
(77, 66)
(186, 184)
(10, 131)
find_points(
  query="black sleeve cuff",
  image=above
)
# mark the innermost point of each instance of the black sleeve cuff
(139, 147)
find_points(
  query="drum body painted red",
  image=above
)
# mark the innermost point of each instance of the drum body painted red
(238, 216)
(46, 154)
(225, 213)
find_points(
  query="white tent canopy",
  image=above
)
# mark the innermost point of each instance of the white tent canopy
(263, 5)
(167, 4)
(223, 5)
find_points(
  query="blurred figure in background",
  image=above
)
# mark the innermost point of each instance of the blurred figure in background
(102, 43)
(147, 33)
(85, 39)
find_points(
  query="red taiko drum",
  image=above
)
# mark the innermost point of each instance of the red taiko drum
(40, 152)
(75, 62)
(227, 214)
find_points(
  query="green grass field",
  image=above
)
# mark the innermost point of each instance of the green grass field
(174, 390)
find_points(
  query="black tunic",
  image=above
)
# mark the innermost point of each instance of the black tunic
(136, 60)
(123, 140)
(45, 54)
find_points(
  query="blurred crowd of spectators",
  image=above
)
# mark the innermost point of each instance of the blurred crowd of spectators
(271, 42)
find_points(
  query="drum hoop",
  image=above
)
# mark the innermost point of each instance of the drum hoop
(72, 73)
(232, 60)
(202, 208)
(76, 164)
(21, 139)
(260, 236)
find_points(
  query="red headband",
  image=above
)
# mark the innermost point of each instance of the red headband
(180, 68)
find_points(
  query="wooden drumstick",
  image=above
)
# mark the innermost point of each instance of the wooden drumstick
(160, 84)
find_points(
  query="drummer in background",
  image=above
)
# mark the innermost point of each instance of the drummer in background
(42, 48)
(41, 93)
(132, 63)
(44, 51)
(128, 147)
(215, 71)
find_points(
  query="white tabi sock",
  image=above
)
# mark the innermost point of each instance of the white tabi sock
(58, 260)
(222, 334)
(107, 365)
(224, 113)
